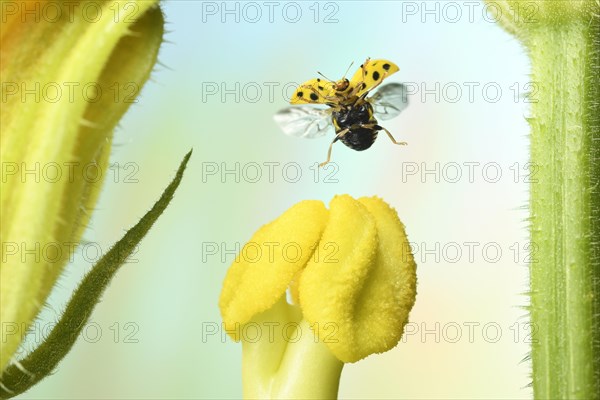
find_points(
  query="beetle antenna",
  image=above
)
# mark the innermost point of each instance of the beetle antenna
(325, 77)
(350, 66)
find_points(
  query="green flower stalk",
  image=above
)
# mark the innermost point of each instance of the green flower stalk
(563, 41)
(352, 281)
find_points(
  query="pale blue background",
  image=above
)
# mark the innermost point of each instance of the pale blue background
(170, 292)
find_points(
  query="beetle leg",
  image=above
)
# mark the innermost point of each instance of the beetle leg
(379, 127)
(339, 135)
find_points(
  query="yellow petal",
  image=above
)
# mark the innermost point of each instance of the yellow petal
(331, 286)
(269, 261)
(60, 126)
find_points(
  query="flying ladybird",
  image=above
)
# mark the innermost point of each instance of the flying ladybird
(352, 114)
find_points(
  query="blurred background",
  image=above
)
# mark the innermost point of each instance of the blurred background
(460, 187)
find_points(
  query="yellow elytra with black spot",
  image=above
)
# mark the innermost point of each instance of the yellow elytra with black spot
(320, 91)
(375, 71)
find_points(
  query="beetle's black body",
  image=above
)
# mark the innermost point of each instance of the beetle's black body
(354, 117)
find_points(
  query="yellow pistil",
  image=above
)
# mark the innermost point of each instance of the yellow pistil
(353, 282)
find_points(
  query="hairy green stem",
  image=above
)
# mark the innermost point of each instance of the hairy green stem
(564, 203)
(563, 42)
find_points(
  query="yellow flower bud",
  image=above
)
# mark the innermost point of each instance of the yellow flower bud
(59, 108)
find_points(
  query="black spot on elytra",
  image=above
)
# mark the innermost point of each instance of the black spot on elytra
(314, 97)
(318, 79)
(376, 75)
(300, 94)
(364, 85)
(386, 66)
(320, 87)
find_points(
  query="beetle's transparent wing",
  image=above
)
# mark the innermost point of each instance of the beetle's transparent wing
(389, 100)
(307, 122)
